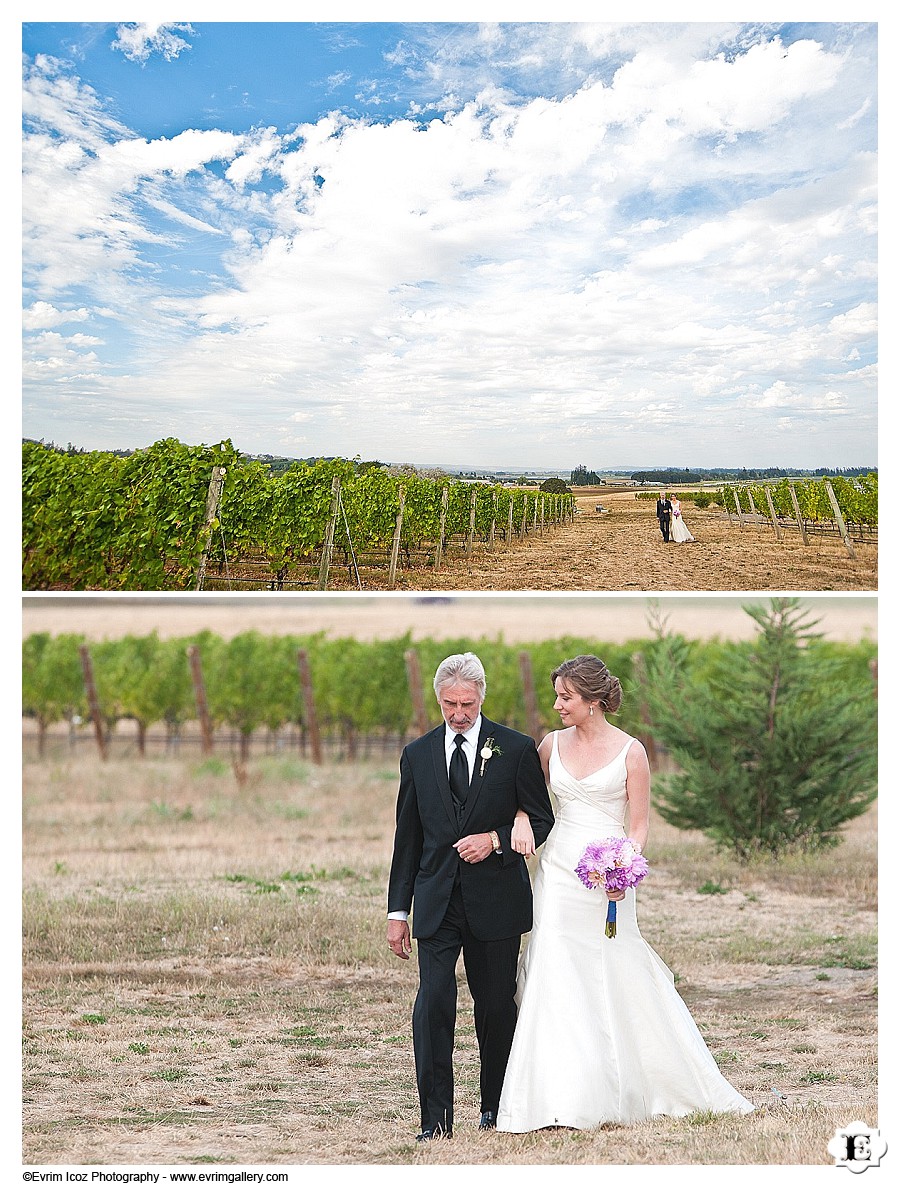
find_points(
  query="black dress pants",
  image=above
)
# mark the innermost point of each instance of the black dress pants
(491, 976)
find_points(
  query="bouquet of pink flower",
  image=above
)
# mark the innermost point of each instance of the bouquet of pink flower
(615, 863)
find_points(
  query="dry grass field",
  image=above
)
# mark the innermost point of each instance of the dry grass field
(206, 981)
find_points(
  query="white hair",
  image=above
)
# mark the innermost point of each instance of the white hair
(465, 668)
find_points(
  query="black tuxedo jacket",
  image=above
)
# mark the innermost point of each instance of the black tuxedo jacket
(663, 507)
(497, 891)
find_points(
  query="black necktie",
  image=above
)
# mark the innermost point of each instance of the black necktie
(459, 772)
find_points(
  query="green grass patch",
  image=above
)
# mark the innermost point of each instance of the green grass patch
(282, 768)
(256, 885)
(170, 812)
(726, 1057)
(802, 947)
(172, 1074)
(211, 767)
(703, 1117)
(851, 952)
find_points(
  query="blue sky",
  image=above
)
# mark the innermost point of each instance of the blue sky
(507, 244)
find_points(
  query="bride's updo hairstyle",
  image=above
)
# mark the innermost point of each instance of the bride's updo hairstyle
(590, 678)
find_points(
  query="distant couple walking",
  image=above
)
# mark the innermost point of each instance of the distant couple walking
(595, 1030)
(671, 521)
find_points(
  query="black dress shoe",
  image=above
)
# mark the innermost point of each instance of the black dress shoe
(436, 1131)
(488, 1120)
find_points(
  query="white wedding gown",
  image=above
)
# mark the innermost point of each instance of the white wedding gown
(679, 530)
(602, 1033)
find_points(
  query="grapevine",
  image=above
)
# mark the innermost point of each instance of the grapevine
(857, 499)
(101, 521)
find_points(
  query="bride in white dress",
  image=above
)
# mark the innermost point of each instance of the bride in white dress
(602, 1033)
(679, 530)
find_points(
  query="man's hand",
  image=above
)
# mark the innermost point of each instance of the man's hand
(398, 938)
(474, 848)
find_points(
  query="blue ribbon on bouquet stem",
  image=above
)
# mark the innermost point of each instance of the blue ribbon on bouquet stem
(610, 929)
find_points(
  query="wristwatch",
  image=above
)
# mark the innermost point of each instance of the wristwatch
(495, 840)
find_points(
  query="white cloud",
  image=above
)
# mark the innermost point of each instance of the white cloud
(637, 253)
(138, 41)
(40, 315)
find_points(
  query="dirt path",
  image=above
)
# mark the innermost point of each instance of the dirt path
(622, 549)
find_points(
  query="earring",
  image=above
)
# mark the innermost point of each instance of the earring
(592, 710)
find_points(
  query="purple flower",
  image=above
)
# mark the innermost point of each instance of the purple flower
(613, 863)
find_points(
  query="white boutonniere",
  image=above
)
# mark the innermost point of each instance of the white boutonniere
(487, 752)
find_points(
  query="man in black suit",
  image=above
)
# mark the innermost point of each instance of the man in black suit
(460, 788)
(664, 515)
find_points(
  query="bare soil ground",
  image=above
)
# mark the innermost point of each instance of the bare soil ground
(206, 981)
(622, 549)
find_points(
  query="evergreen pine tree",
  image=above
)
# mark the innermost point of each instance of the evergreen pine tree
(775, 741)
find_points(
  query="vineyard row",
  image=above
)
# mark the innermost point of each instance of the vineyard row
(807, 499)
(342, 687)
(176, 517)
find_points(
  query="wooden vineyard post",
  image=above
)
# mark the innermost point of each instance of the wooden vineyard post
(737, 504)
(775, 523)
(395, 547)
(414, 680)
(800, 524)
(535, 725)
(213, 498)
(534, 518)
(328, 546)
(206, 738)
(524, 517)
(509, 526)
(90, 688)
(493, 532)
(543, 501)
(471, 536)
(845, 535)
(309, 706)
(439, 548)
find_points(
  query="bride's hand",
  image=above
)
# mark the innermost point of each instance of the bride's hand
(615, 896)
(522, 834)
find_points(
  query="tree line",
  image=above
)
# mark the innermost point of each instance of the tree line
(742, 474)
